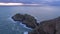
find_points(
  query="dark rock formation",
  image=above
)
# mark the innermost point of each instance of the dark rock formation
(29, 20)
(45, 27)
(18, 17)
(37, 30)
(51, 26)
(48, 27)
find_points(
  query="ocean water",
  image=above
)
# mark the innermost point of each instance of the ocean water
(8, 26)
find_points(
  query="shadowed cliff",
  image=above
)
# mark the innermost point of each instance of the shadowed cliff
(51, 26)
(26, 19)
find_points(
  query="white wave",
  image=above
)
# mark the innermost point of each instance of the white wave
(25, 26)
(11, 20)
(11, 4)
(19, 22)
(25, 32)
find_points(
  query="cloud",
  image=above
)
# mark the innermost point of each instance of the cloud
(30, 2)
(49, 0)
(11, 4)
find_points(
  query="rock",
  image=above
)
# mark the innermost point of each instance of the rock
(37, 30)
(29, 20)
(18, 17)
(51, 26)
(48, 27)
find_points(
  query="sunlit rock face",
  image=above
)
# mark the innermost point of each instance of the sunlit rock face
(26, 19)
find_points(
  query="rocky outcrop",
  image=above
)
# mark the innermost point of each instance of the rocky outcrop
(29, 20)
(51, 26)
(48, 27)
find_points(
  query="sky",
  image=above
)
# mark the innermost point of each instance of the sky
(41, 2)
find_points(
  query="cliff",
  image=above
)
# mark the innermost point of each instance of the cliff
(26, 19)
(51, 26)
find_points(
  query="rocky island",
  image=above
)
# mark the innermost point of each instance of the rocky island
(26, 19)
(51, 26)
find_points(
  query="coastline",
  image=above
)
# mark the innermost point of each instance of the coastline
(20, 24)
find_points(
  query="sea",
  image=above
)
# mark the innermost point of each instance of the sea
(41, 13)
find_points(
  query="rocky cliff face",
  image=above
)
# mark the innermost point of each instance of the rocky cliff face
(45, 27)
(29, 20)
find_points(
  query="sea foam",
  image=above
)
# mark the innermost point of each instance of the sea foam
(19, 23)
(26, 32)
